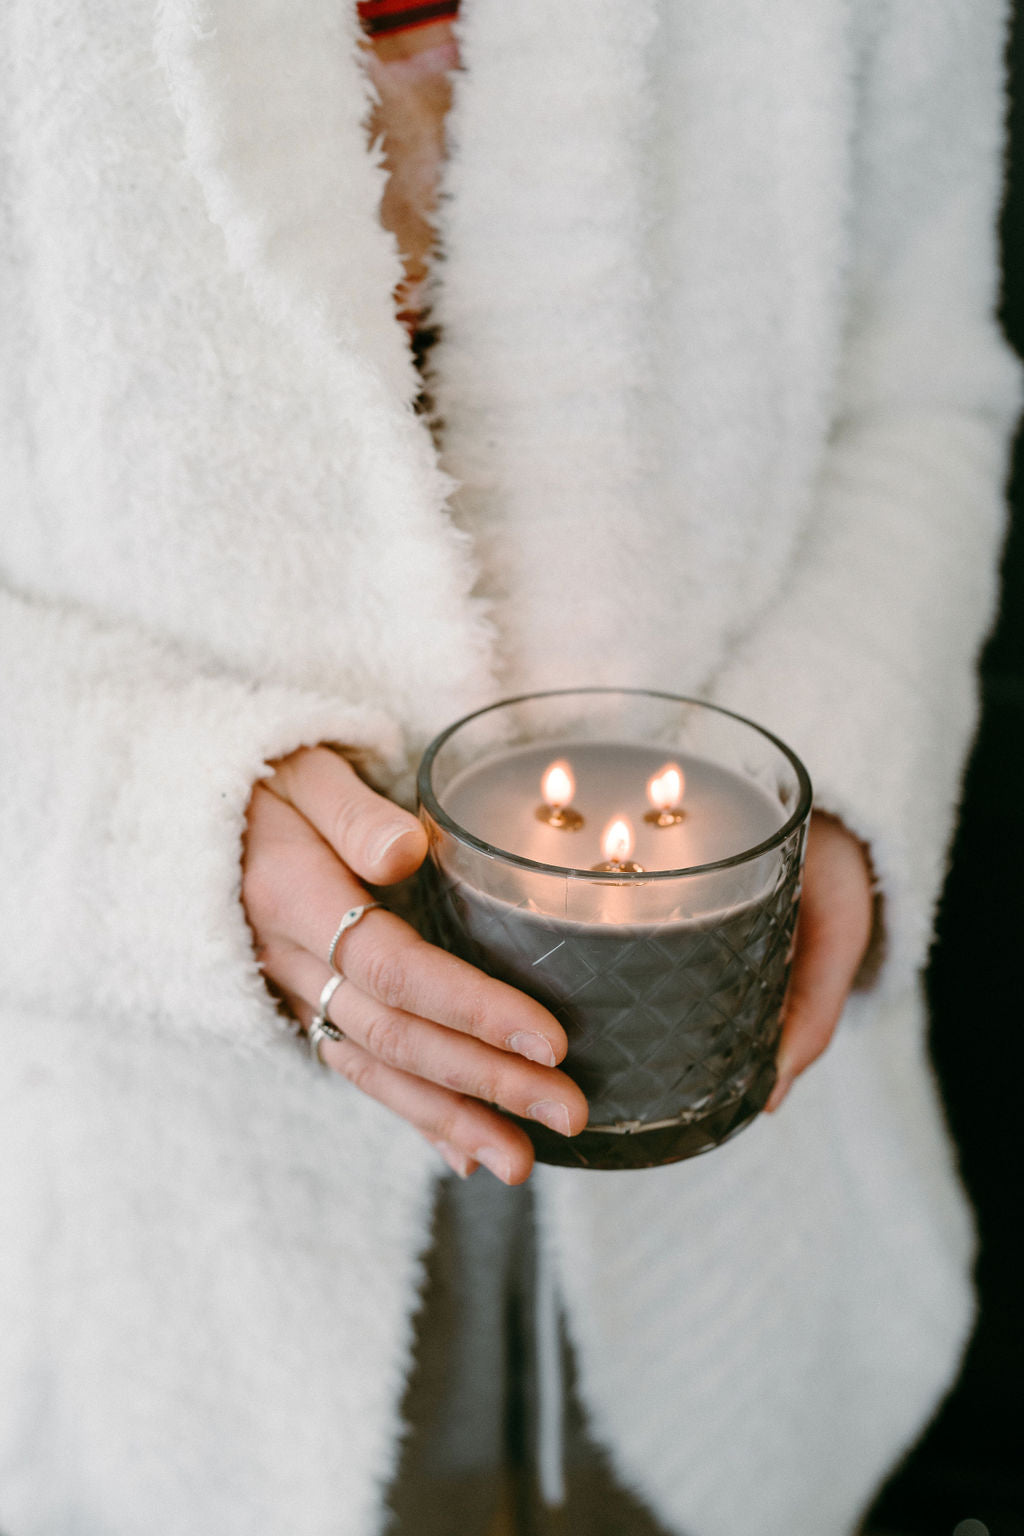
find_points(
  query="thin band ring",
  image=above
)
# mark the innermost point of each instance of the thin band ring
(320, 1026)
(350, 919)
(332, 985)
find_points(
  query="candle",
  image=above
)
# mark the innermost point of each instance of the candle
(667, 963)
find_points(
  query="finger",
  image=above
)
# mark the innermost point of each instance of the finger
(818, 989)
(480, 1133)
(832, 934)
(393, 964)
(452, 1060)
(458, 1161)
(379, 840)
(295, 891)
(476, 1133)
(294, 887)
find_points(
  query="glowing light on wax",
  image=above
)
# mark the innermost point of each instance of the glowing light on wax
(665, 791)
(557, 786)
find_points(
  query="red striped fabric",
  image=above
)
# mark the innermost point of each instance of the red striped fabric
(380, 16)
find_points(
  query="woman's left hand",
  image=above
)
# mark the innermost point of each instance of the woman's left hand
(836, 916)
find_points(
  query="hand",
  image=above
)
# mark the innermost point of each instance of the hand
(425, 1034)
(836, 914)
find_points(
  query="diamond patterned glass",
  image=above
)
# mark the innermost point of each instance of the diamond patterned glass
(669, 984)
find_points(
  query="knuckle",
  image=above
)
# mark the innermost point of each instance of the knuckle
(352, 820)
(488, 1088)
(385, 976)
(340, 821)
(385, 1038)
(470, 996)
(476, 1012)
(483, 1089)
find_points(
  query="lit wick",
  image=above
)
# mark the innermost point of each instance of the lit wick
(558, 787)
(665, 791)
(617, 843)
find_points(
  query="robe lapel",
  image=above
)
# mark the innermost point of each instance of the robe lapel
(544, 365)
(274, 104)
(640, 309)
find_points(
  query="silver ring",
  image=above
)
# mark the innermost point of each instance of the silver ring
(350, 919)
(322, 1006)
(319, 1031)
(320, 1026)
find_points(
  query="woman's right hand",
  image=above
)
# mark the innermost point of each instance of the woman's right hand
(426, 1034)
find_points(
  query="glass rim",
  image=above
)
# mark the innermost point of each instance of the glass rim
(429, 802)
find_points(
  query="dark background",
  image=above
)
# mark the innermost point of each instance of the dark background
(970, 1465)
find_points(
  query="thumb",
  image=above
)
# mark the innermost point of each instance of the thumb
(378, 840)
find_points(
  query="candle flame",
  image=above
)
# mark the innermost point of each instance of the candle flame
(617, 841)
(665, 788)
(558, 785)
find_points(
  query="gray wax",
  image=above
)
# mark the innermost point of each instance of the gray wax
(497, 798)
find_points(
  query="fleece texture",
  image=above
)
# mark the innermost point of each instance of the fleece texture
(725, 412)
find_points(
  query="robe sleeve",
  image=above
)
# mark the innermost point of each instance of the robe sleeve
(127, 769)
(866, 662)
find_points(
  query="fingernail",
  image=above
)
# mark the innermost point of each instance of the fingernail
(496, 1161)
(533, 1046)
(458, 1161)
(552, 1114)
(388, 840)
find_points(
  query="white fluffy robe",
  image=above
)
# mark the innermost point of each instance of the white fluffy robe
(727, 413)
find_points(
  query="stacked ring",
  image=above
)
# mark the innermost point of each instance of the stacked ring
(320, 1026)
(350, 919)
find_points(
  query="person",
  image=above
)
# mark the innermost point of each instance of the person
(720, 407)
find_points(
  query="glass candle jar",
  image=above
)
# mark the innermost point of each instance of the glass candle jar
(663, 949)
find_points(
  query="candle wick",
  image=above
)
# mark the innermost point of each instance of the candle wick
(666, 817)
(564, 817)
